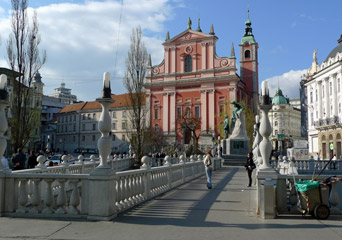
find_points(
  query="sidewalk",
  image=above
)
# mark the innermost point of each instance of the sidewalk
(190, 212)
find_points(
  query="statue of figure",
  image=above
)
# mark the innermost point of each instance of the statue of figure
(189, 23)
(315, 56)
(226, 126)
(236, 111)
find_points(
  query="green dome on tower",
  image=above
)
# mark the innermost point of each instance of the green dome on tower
(279, 98)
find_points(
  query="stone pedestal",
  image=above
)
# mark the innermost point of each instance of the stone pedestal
(235, 146)
(102, 194)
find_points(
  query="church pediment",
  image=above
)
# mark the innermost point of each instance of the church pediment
(188, 35)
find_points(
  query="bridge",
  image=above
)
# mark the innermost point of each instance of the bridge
(189, 211)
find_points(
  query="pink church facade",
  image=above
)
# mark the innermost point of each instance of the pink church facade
(192, 79)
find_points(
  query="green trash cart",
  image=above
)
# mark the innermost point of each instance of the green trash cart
(310, 198)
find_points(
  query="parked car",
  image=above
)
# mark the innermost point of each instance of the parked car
(56, 159)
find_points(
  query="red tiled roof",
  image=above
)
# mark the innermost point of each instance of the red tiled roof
(121, 100)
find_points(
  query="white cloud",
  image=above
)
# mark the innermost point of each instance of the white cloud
(288, 83)
(81, 41)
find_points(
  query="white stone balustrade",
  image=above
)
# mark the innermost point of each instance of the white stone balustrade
(59, 195)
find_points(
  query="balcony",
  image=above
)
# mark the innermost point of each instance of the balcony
(327, 123)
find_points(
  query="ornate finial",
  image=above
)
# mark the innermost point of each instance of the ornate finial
(106, 91)
(232, 52)
(340, 40)
(167, 36)
(199, 27)
(212, 30)
(149, 64)
(189, 23)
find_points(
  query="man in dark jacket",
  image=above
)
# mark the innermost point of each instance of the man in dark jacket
(19, 160)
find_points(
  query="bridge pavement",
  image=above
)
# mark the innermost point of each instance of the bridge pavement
(189, 212)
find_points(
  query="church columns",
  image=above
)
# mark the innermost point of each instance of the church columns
(172, 111)
(204, 56)
(165, 113)
(211, 109)
(173, 60)
(204, 110)
(211, 56)
(167, 60)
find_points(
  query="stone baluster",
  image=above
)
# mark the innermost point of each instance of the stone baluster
(41, 160)
(74, 198)
(3, 119)
(80, 159)
(265, 127)
(147, 180)
(334, 199)
(48, 197)
(35, 199)
(61, 198)
(22, 198)
(92, 159)
(65, 159)
(192, 158)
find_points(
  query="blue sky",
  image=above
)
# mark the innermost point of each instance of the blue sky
(81, 37)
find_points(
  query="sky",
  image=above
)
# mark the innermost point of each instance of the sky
(85, 38)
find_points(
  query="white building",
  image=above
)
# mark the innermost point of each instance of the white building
(77, 127)
(64, 94)
(285, 121)
(323, 86)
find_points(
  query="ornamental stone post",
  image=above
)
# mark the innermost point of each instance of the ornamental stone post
(102, 179)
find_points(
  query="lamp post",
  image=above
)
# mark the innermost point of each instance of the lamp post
(265, 127)
(104, 144)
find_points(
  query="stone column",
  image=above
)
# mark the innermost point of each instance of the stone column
(204, 56)
(165, 113)
(204, 110)
(327, 98)
(320, 112)
(172, 111)
(173, 59)
(334, 94)
(167, 62)
(211, 109)
(211, 55)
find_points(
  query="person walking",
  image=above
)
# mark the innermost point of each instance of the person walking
(333, 162)
(19, 160)
(250, 165)
(32, 160)
(208, 163)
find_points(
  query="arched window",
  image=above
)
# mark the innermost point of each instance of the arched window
(247, 54)
(188, 64)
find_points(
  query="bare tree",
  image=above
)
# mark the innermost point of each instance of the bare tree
(193, 125)
(25, 60)
(136, 67)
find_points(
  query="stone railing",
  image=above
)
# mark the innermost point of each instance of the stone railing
(83, 165)
(308, 166)
(73, 195)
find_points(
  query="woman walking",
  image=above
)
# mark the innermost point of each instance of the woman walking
(208, 163)
(249, 167)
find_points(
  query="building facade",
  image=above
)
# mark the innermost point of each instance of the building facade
(192, 80)
(77, 126)
(64, 94)
(285, 120)
(324, 100)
